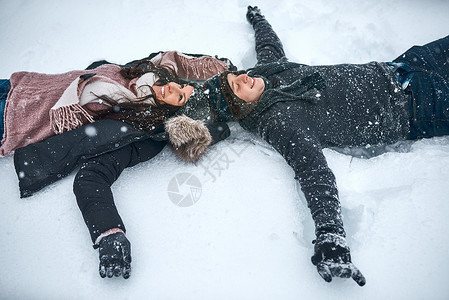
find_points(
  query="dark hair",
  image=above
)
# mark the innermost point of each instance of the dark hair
(136, 112)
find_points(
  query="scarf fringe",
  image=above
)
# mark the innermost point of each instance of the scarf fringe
(68, 117)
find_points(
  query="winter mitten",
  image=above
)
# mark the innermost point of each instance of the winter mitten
(253, 14)
(333, 259)
(218, 130)
(115, 256)
(189, 138)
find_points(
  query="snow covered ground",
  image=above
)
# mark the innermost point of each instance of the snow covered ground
(249, 234)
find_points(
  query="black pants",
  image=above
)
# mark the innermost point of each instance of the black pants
(92, 184)
(429, 88)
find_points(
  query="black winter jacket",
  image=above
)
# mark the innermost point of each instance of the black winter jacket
(40, 164)
(306, 108)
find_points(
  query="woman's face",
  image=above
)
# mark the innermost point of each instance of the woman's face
(173, 93)
(247, 88)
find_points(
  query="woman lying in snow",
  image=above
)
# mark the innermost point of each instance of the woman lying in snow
(301, 109)
(146, 94)
(41, 105)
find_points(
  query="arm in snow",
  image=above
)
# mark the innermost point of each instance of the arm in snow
(305, 156)
(187, 66)
(193, 67)
(303, 153)
(92, 188)
(268, 45)
(92, 184)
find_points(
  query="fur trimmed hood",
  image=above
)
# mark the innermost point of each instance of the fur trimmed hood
(189, 138)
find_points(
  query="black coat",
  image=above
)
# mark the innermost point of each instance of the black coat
(307, 108)
(40, 164)
(103, 149)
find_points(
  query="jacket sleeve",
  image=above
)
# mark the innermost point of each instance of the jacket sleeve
(92, 184)
(268, 45)
(40, 164)
(192, 67)
(304, 154)
(187, 66)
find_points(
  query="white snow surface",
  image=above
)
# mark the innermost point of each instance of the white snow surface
(249, 234)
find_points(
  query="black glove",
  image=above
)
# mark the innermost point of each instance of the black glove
(115, 256)
(218, 130)
(333, 259)
(253, 14)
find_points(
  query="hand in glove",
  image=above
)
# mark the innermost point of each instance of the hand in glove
(115, 256)
(333, 259)
(218, 130)
(253, 14)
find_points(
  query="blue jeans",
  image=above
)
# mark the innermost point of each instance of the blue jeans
(428, 67)
(4, 89)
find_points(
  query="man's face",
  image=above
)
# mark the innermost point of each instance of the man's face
(249, 89)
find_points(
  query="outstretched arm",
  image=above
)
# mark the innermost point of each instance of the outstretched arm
(92, 188)
(187, 66)
(193, 67)
(303, 153)
(268, 45)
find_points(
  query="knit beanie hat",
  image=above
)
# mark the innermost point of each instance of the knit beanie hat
(223, 102)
